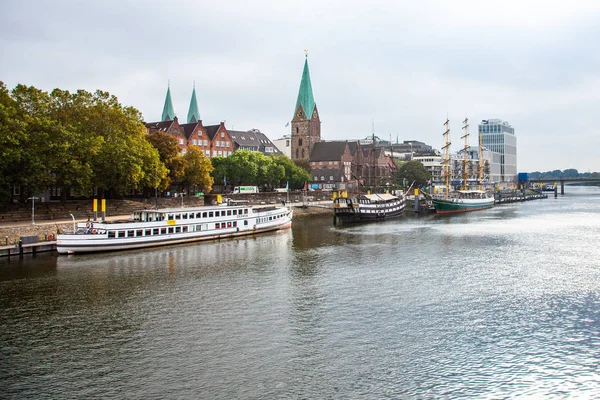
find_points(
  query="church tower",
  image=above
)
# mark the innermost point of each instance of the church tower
(168, 113)
(306, 125)
(193, 113)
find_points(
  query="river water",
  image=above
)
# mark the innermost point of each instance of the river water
(491, 304)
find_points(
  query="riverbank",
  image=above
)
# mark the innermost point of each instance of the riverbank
(10, 233)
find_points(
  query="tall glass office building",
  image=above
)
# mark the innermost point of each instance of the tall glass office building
(498, 136)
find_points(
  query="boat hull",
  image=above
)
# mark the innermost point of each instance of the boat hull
(97, 239)
(453, 206)
(368, 208)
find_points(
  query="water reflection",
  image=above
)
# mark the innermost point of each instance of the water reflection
(485, 304)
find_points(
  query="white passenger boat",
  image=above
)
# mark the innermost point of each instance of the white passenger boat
(150, 228)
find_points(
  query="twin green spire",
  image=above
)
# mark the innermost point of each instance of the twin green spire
(193, 113)
(305, 94)
(168, 113)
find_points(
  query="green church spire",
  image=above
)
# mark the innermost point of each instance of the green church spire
(168, 114)
(193, 113)
(305, 94)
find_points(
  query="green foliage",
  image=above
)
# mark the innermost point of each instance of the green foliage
(75, 141)
(168, 151)
(413, 171)
(198, 170)
(253, 168)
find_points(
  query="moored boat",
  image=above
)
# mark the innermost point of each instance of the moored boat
(462, 201)
(151, 228)
(465, 199)
(368, 207)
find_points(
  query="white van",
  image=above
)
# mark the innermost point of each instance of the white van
(245, 189)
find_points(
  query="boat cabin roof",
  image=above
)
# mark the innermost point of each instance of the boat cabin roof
(472, 191)
(191, 209)
(379, 196)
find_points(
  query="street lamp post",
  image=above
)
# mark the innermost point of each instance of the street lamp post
(33, 199)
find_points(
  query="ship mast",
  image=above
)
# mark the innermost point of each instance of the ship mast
(480, 175)
(446, 149)
(466, 153)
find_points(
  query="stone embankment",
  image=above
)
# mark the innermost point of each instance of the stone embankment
(11, 232)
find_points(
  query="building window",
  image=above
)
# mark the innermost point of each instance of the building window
(207, 153)
(287, 143)
(183, 152)
(222, 134)
(296, 129)
(220, 153)
(206, 142)
(195, 142)
(180, 141)
(226, 144)
(299, 142)
(322, 178)
(330, 177)
(214, 153)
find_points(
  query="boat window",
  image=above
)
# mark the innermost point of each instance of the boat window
(234, 224)
(184, 216)
(270, 218)
(217, 213)
(177, 216)
(111, 234)
(228, 212)
(204, 214)
(163, 231)
(184, 228)
(139, 233)
(177, 229)
(148, 232)
(217, 226)
(170, 216)
(171, 229)
(130, 233)
(246, 222)
(121, 234)
(245, 211)
(198, 228)
(155, 231)
(234, 212)
(210, 214)
(198, 215)
(229, 224)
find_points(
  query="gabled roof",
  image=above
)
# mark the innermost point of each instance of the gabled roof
(159, 126)
(328, 151)
(353, 147)
(253, 138)
(305, 94)
(211, 131)
(168, 112)
(193, 113)
(189, 128)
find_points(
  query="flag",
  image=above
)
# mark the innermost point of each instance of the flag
(287, 124)
(287, 186)
(224, 180)
(304, 186)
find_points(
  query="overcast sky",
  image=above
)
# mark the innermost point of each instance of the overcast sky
(401, 66)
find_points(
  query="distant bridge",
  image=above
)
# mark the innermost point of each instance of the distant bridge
(566, 180)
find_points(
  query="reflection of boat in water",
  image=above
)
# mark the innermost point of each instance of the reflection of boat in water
(150, 228)
(465, 199)
(368, 207)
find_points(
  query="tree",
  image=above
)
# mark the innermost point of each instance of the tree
(413, 171)
(12, 131)
(198, 170)
(168, 151)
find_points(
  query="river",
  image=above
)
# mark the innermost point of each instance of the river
(497, 303)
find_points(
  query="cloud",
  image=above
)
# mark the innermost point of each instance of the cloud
(401, 65)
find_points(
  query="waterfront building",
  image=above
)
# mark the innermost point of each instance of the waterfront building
(306, 124)
(499, 137)
(331, 165)
(284, 145)
(433, 165)
(213, 140)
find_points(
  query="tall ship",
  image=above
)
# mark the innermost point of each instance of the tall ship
(465, 199)
(151, 228)
(368, 207)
